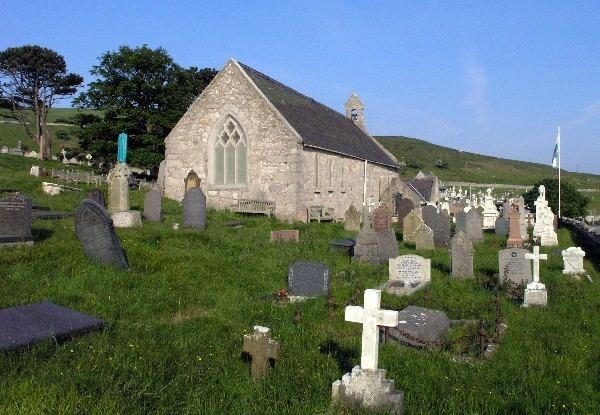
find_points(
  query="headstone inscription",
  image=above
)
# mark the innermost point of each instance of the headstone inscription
(308, 279)
(420, 327)
(95, 231)
(573, 261)
(97, 195)
(423, 237)
(262, 348)
(408, 273)
(287, 235)
(461, 252)
(513, 266)
(153, 206)
(15, 221)
(352, 219)
(535, 293)
(26, 325)
(366, 386)
(194, 208)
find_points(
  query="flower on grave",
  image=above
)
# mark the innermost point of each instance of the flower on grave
(281, 294)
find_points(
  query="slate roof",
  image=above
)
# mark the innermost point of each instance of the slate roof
(318, 125)
(424, 187)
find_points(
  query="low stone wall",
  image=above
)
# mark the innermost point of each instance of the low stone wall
(588, 237)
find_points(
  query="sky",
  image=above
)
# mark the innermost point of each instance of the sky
(494, 78)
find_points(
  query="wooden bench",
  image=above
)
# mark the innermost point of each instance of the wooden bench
(320, 213)
(265, 207)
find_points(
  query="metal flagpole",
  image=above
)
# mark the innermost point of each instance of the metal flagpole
(559, 172)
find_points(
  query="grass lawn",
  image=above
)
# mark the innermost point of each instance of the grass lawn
(176, 322)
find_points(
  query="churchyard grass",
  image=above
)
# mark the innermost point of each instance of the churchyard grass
(176, 320)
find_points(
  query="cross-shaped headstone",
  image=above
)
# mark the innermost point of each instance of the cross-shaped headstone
(535, 257)
(370, 317)
(261, 347)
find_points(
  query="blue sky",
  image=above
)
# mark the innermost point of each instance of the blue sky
(495, 78)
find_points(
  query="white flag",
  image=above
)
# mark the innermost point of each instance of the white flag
(556, 154)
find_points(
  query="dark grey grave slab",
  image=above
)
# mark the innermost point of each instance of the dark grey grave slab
(95, 231)
(97, 195)
(194, 208)
(39, 207)
(419, 327)
(153, 206)
(346, 245)
(501, 227)
(26, 325)
(308, 279)
(15, 220)
(51, 215)
(233, 224)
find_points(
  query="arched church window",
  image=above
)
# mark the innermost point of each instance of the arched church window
(230, 155)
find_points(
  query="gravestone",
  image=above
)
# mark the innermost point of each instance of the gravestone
(262, 348)
(118, 188)
(535, 293)
(474, 224)
(501, 227)
(192, 181)
(153, 206)
(381, 220)
(513, 266)
(544, 220)
(461, 222)
(95, 231)
(514, 231)
(352, 219)
(26, 325)
(410, 225)
(420, 327)
(194, 208)
(439, 224)
(308, 279)
(387, 245)
(35, 171)
(97, 195)
(423, 237)
(289, 235)
(573, 261)
(15, 221)
(403, 208)
(462, 255)
(408, 273)
(366, 248)
(366, 386)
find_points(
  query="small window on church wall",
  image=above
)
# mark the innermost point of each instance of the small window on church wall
(230, 155)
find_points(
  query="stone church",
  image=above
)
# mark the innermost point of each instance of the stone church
(248, 136)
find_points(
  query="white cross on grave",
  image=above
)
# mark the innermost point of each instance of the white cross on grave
(370, 317)
(535, 257)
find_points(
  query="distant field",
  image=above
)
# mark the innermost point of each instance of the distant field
(470, 167)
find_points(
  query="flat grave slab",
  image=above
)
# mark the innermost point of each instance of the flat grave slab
(51, 215)
(419, 327)
(26, 325)
(346, 245)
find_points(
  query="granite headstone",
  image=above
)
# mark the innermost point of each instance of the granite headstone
(153, 206)
(194, 208)
(308, 279)
(462, 255)
(15, 221)
(513, 266)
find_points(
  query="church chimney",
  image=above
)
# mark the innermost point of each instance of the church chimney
(355, 110)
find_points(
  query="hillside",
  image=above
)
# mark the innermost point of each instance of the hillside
(471, 167)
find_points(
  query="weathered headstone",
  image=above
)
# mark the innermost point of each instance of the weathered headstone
(403, 208)
(352, 219)
(474, 224)
(288, 235)
(535, 293)
(439, 224)
(420, 327)
(461, 222)
(423, 237)
(410, 225)
(153, 206)
(194, 208)
(192, 181)
(462, 255)
(513, 266)
(408, 273)
(15, 221)
(118, 188)
(308, 279)
(514, 231)
(381, 220)
(501, 226)
(573, 261)
(366, 248)
(26, 325)
(97, 195)
(366, 386)
(262, 348)
(95, 231)
(387, 245)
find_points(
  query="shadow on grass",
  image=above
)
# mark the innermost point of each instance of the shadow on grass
(40, 234)
(343, 356)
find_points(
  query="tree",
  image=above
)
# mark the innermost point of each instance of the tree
(32, 79)
(142, 92)
(572, 202)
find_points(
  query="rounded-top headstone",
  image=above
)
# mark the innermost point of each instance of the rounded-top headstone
(194, 208)
(153, 206)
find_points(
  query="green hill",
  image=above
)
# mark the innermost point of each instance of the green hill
(471, 167)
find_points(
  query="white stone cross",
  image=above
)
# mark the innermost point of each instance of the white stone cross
(371, 316)
(535, 257)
